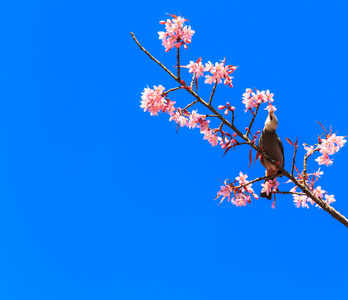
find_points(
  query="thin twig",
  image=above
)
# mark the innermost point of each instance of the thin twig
(253, 119)
(154, 59)
(178, 62)
(193, 80)
(289, 193)
(189, 105)
(212, 93)
(256, 180)
(172, 90)
(293, 158)
(304, 172)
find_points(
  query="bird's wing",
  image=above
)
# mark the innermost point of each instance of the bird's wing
(260, 144)
(282, 150)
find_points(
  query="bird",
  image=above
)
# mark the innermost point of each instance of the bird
(271, 144)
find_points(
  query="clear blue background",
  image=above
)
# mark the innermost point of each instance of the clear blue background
(98, 200)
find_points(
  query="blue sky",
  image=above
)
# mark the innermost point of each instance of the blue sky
(98, 200)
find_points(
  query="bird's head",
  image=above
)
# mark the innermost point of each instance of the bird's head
(271, 123)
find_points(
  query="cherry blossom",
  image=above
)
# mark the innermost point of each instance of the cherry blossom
(251, 99)
(153, 101)
(329, 199)
(309, 149)
(318, 192)
(212, 137)
(193, 119)
(317, 173)
(196, 68)
(242, 178)
(269, 96)
(219, 71)
(324, 160)
(178, 118)
(332, 144)
(176, 33)
(300, 200)
(270, 186)
(271, 108)
(225, 191)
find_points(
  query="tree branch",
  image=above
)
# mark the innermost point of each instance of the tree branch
(335, 214)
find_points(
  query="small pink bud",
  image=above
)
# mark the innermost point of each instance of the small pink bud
(228, 103)
(226, 112)
(232, 108)
(163, 22)
(182, 87)
(234, 134)
(182, 81)
(246, 128)
(221, 107)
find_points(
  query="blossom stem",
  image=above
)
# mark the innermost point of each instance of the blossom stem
(212, 93)
(252, 120)
(293, 158)
(178, 61)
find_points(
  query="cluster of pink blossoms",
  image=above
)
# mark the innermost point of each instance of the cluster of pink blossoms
(270, 186)
(218, 72)
(153, 101)
(251, 99)
(241, 193)
(301, 200)
(176, 33)
(329, 146)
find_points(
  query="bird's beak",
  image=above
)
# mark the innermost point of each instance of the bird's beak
(271, 115)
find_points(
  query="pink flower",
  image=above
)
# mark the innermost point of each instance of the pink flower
(317, 173)
(211, 137)
(176, 33)
(193, 119)
(270, 108)
(260, 97)
(248, 100)
(332, 144)
(267, 187)
(225, 191)
(178, 118)
(275, 185)
(300, 200)
(324, 160)
(329, 199)
(203, 124)
(318, 192)
(309, 149)
(241, 200)
(219, 72)
(242, 178)
(153, 101)
(196, 68)
(269, 96)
